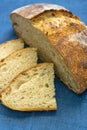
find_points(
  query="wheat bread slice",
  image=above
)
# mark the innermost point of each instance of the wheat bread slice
(16, 63)
(32, 90)
(9, 47)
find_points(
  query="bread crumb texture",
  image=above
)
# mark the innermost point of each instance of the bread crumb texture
(32, 90)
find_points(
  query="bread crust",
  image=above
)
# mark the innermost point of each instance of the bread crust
(31, 11)
(6, 42)
(71, 45)
(30, 110)
(75, 56)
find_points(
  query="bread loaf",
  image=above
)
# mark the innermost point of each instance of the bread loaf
(32, 90)
(9, 47)
(16, 63)
(59, 36)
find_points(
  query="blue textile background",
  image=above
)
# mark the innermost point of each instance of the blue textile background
(72, 108)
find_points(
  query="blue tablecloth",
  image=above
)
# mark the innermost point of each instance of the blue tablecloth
(72, 108)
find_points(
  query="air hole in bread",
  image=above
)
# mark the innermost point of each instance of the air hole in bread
(24, 91)
(19, 55)
(9, 91)
(47, 86)
(26, 30)
(15, 24)
(35, 70)
(36, 74)
(22, 98)
(42, 74)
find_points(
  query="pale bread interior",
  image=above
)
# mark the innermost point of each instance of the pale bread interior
(16, 63)
(32, 90)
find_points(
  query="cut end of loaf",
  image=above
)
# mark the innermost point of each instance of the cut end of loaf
(32, 90)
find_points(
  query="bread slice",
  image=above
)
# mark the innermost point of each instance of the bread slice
(9, 47)
(59, 36)
(32, 90)
(16, 63)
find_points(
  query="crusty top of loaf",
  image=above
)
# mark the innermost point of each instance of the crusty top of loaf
(30, 11)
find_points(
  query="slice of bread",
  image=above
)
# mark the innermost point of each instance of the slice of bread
(16, 63)
(32, 90)
(9, 47)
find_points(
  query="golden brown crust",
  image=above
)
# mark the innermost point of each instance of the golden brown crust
(75, 56)
(32, 109)
(33, 10)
